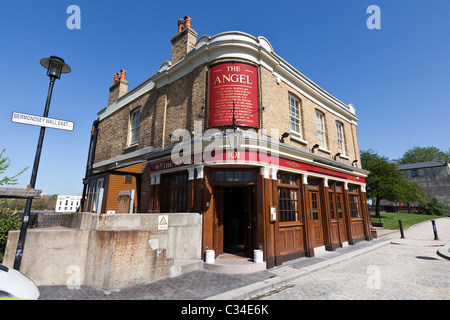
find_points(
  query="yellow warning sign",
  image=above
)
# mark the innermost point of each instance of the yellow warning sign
(163, 222)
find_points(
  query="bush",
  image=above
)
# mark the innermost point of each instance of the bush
(435, 207)
(8, 222)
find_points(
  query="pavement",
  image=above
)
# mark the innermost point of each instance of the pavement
(208, 285)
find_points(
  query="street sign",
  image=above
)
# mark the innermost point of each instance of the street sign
(42, 121)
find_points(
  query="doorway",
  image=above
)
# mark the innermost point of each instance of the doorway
(236, 212)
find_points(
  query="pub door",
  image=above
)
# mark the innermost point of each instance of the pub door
(235, 220)
(316, 218)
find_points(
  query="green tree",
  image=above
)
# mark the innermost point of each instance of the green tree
(412, 191)
(424, 154)
(384, 181)
(5, 162)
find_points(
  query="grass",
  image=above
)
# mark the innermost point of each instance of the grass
(390, 219)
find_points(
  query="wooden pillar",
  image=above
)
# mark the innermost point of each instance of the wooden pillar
(347, 214)
(307, 217)
(325, 211)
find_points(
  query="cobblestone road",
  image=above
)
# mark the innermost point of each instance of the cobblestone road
(400, 272)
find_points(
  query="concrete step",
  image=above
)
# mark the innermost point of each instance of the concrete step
(231, 264)
(184, 266)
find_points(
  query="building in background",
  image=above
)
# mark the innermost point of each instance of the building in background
(67, 203)
(291, 183)
(433, 175)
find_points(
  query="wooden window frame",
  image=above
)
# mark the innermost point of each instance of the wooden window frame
(173, 199)
(289, 202)
(295, 115)
(354, 199)
(133, 137)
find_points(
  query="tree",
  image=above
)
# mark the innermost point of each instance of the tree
(412, 191)
(384, 181)
(424, 154)
(5, 162)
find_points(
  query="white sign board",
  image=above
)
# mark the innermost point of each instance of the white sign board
(42, 121)
(163, 222)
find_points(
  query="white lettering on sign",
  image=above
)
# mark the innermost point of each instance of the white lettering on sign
(42, 121)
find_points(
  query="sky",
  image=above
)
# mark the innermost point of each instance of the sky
(397, 76)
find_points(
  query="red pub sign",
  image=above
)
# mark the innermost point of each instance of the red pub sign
(230, 82)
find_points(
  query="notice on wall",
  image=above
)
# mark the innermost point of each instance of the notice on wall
(230, 82)
(163, 222)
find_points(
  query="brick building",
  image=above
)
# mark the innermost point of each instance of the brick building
(292, 184)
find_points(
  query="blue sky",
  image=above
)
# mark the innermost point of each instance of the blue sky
(398, 77)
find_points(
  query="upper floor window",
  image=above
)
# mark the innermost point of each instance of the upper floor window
(340, 138)
(135, 121)
(320, 122)
(295, 118)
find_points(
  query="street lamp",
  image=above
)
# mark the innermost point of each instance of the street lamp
(55, 67)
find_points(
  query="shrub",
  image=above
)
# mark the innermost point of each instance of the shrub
(8, 222)
(435, 207)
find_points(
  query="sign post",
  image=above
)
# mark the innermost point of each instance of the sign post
(55, 67)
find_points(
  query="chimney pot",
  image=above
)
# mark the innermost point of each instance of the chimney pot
(180, 25)
(123, 74)
(188, 22)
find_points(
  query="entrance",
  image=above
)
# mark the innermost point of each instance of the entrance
(316, 218)
(236, 213)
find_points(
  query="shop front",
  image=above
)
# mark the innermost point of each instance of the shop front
(285, 208)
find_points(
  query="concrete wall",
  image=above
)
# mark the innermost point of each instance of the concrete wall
(108, 251)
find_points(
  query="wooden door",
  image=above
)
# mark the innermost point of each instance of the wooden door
(218, 221)
(341, 217)
(316, 218)
(249, 220)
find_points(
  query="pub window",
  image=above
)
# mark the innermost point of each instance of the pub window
(331, 202)
(288, 190)
(414, 173)
(135, 121)
(176, 195)
(340, 138)
(339, 204)
(320, 123)
(295, 118)
(233, 176)
(353, 198)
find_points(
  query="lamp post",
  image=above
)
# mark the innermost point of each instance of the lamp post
(55, 67)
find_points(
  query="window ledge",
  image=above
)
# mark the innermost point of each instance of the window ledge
(298, 139)
(324, 150)
(344, 157)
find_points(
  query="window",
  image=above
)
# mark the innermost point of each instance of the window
(135, 121)
(233, 176)
(288, 191)
(414, 173)
(294, 113)
(353, 198)
(320, 122)
(340, 137)
(176, 195)
(331, 202)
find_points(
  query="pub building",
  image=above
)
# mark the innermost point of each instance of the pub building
(230, 130)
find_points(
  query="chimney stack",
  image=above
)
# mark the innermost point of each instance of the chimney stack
(184, 41)
(119, 87)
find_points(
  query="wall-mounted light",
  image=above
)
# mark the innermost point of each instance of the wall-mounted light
(283, 136)
(336, 155)
(354, 163)
(314, 147)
